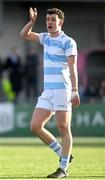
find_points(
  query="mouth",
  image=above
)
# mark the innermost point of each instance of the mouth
(49, 27)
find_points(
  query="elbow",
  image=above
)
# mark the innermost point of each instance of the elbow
(22, 35)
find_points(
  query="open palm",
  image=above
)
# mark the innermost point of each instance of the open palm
(33, 14)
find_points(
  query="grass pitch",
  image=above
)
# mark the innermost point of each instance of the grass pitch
(29, 158)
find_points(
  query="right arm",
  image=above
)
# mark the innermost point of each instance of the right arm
(26, 32)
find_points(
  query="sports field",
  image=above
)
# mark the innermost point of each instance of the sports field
(29, 158)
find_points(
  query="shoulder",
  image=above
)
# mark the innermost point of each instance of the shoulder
(70, 42)
(44, 34)
(67, 39)
(70, 39)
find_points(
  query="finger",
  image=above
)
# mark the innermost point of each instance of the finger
(75, 103)
(35, 10)
(31, 9)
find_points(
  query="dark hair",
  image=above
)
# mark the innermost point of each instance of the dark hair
(57, 12)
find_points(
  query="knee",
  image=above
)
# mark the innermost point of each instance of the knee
(63, 129)
(35, 127)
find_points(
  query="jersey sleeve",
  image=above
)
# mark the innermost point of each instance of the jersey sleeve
(42, 37)
(70, 48)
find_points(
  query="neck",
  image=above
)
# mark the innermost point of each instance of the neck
(54, 34)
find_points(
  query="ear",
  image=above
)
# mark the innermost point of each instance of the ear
(61, 23)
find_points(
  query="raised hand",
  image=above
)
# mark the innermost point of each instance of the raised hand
(33, 14)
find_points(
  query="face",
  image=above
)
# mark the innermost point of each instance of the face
(53, 23)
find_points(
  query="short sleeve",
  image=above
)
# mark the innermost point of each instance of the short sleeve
(70, 48)
(42, 37)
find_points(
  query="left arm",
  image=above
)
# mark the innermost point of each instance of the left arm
(72, 63)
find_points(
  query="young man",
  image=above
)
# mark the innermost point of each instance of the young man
(60, 85)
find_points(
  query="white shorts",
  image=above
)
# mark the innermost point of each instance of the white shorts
(55, 100)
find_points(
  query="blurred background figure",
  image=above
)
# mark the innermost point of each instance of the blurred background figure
(0, 67)
(31, 74)
(7, 91)
(92, 90)
(102, 90)
(0, 79)
(13, 65)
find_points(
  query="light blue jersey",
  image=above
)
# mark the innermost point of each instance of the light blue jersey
(56, 51)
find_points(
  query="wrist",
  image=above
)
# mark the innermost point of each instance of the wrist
(74, 93)
(32, 22)
(74, 89)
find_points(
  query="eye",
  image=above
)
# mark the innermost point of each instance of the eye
(53, 19)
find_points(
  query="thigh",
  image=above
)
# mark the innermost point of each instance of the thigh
(40, 116)
(63, 117)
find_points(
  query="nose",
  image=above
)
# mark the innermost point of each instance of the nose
(49, 23)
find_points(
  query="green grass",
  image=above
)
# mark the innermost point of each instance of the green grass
(31, 159)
